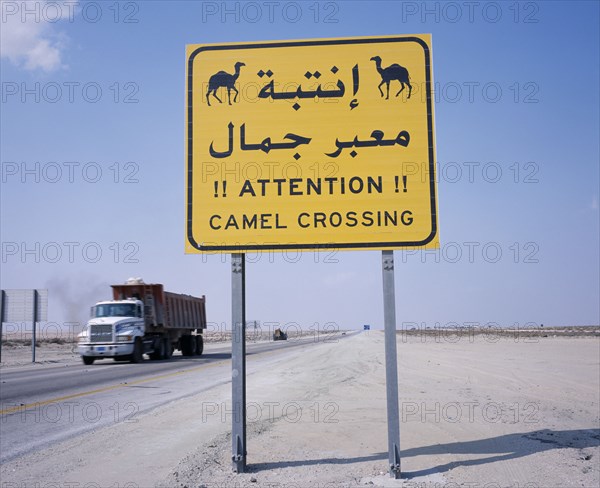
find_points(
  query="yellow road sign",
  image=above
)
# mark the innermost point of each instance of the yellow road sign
(311, 144)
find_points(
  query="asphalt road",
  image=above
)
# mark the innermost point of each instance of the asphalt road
(42, 406)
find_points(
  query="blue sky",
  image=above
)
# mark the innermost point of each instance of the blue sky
(517, 124)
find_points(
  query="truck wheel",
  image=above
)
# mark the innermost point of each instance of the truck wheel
(188, 345)
(199, 345)
(168, 348)
(138, 352)
(88, 360)
(159, 351)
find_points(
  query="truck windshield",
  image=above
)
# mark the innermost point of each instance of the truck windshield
(115, 310)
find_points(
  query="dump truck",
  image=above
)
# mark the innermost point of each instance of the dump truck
(279, 335)
(143, 319)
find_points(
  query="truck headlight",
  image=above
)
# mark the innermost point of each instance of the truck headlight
(125, 338)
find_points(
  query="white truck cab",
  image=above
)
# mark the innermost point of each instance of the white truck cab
(112, 330)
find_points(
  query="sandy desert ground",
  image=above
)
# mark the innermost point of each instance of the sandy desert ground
(476, 411)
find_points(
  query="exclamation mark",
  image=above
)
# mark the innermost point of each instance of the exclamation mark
(396, 179)
(404, 178)
(216, 189)
(225, 189)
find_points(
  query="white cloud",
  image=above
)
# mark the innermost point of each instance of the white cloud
(30, 41)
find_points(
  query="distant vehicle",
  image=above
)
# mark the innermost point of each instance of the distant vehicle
(143, 319)
(279, 335)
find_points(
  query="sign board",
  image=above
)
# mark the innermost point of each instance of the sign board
(311, 144)
(19, 305)
(366, 327)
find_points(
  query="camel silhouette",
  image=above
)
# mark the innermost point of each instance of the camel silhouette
(392, 72)
(226, 80)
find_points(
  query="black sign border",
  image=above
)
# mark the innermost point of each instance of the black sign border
(322, 246)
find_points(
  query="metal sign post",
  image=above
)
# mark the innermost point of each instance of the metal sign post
(35, 319)
(238, 361)
(2, 309)
(391, 363)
